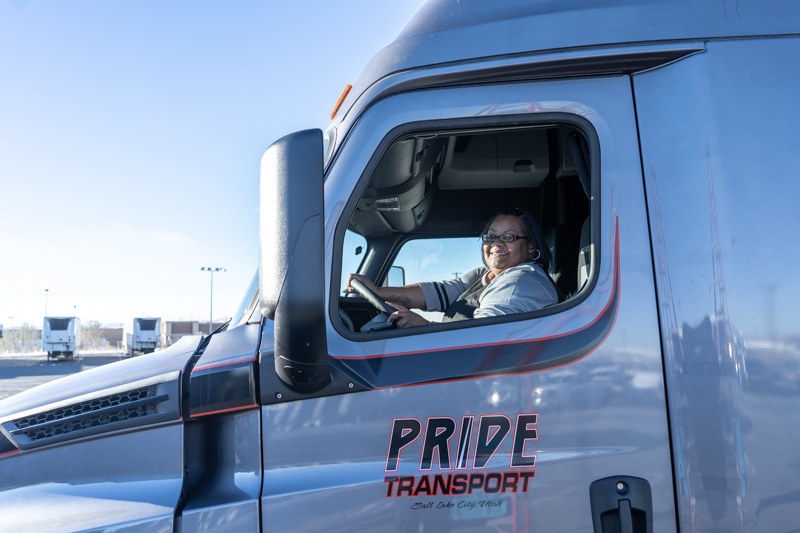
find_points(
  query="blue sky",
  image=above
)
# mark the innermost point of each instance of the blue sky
(131, 135)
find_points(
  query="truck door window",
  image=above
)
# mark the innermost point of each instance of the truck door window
(431, 195)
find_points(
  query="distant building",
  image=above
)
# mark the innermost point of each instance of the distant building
(112, 333)
(173, 330)
(202, 328)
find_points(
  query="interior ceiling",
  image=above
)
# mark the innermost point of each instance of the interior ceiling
(468, 210)
(453, 184)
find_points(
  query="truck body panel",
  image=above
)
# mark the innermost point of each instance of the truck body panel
(445, 33)
(722, 193)
(130, 480)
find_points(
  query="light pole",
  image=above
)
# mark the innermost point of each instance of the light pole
(46, 292)
(211, 312)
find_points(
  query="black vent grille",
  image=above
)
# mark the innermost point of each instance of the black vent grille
(89, 414)
(147, 325)
(59, 324)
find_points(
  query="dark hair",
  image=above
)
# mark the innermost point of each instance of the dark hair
(532, 232)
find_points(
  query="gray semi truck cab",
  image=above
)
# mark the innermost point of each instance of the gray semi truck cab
(651, 142)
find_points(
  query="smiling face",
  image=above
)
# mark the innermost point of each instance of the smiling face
(499, 256)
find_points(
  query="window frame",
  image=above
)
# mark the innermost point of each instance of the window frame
(464, 125)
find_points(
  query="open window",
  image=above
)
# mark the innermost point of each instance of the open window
(428, 197)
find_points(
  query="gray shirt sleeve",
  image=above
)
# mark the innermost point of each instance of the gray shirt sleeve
(519, 289)
(439, 295)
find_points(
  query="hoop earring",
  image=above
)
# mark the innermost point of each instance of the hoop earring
(538, 255)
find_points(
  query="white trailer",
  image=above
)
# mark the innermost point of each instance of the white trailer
(145, 336)
(61, 336)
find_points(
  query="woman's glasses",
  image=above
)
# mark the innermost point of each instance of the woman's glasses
(506, 237)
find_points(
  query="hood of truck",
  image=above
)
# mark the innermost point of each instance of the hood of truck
(158, 367)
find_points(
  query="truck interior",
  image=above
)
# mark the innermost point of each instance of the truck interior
(448, 185)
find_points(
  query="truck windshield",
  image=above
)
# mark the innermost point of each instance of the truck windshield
(249, 295)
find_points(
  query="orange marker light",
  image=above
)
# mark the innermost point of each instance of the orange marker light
(340, 101)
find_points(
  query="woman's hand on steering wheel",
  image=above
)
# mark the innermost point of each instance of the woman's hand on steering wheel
(405, 318)
(356, 283)
(363, 279)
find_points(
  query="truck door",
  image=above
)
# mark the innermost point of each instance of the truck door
(505, 423)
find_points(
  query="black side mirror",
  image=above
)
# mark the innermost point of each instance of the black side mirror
(291, 262)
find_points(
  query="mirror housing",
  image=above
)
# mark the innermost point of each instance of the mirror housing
(292, 258)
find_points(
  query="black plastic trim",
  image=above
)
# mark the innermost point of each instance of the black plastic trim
(6, 446)
(222, 388)
(621, 503)
(600, 65)
(273, 390)
(193, 449)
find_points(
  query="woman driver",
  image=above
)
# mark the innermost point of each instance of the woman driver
(514, 280)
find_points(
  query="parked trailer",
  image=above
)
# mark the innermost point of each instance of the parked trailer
(145, 336)
(652, 141)
(61, 336)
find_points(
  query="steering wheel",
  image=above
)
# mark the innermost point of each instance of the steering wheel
(380, 322)
(371, 297)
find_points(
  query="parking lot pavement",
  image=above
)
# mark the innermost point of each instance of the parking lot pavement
(21, 373)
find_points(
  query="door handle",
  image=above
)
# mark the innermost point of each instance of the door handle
(625, 519)
(621, 504)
